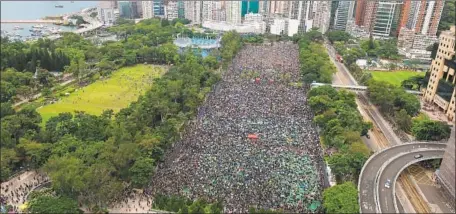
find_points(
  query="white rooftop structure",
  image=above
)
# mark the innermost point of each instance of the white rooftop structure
(250, 27)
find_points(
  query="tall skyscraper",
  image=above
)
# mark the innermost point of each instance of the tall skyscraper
(344, 12)
(171, 10)
(147, 9)
(422, 16)
(159, 8)
(249, 6)
(365, 13)
(273, 7)
(108, 12)
(233, 12)
(193, 11)
(321, 15)
(384, 19)
(302, 11)
(440, 90)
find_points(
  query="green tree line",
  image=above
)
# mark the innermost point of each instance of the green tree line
(341, 127)
(93, 159)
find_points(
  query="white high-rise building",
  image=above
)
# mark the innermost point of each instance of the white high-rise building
(301, 11)
(193, 11)
(233, 12)
(108, 12)
(273, 8)
(147, 9)
(171, 10)
(344, 12)
(384, 18)
(293, 27)
(278, 27)
(321, 15)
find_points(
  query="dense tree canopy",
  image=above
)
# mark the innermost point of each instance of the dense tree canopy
(381, 48)
(342, 198)
(94, 158)
(182, 205)
(341, 127)
(53, 204)
(425, 129)
(338, 35)
(314, 59)
(448, 16)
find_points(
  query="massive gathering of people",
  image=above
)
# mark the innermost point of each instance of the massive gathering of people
(16, 190)
(253, 142)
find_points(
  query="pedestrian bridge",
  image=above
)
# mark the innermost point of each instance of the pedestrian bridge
(356, 88)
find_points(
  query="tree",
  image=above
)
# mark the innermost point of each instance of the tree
(347, 165)
(342, 198)
(141, 171)
(338, 35)
(403, 120)
(8, 91)
(66, 173)
(24, 91)
(430, 130)
(6, 109)
(448, 16)
(52, 204)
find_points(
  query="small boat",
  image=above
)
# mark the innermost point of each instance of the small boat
(40, 26)
(18, 28)
(58, 6)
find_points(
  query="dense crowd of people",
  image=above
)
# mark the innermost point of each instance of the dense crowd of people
(15, 191)
(253, 142)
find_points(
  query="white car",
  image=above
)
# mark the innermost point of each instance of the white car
(388, 183)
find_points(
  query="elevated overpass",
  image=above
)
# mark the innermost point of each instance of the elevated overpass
(374, 197)
(356, 88)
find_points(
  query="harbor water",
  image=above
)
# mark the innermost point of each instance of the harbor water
(32, 10)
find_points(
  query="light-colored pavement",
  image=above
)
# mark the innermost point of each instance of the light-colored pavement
(391, 171)
(382, 135)
(39, 94)
(367, 181)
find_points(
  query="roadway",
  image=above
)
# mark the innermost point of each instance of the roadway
(382, 136)
(386, 200)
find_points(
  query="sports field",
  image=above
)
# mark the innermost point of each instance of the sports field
(394, 77)
(115, 92)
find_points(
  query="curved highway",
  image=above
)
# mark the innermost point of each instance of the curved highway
(384, 160)
(386, 196)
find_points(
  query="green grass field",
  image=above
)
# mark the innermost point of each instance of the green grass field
(394, 77)
(116, 92)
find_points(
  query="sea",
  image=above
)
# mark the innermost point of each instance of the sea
(26, 10)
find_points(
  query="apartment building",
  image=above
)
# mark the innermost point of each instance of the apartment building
(172, 10)
(384, 20)
(440, 90)
(302, 12)
(147, 9)
(321, 15)
(344, 12)
(233, 12)
(365, 13)
(192, 10)
(274, 8)
(422, 16)
(108, 12)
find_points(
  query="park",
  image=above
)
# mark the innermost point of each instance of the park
(394, 77)
(115, 92)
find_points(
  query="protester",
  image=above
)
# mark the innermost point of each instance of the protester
(216, 160)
